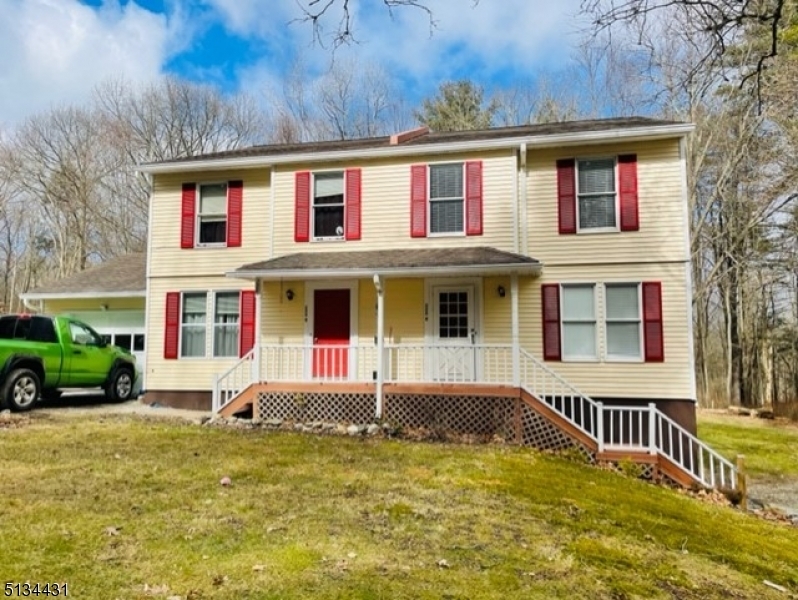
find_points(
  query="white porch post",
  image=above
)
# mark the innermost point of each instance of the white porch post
(380, 341)
(515, 330)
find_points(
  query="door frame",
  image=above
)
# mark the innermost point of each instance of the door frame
(430, 285)
(310, 310)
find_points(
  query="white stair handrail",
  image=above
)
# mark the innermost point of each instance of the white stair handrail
(233, 381)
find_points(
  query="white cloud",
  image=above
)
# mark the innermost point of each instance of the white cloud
(56, 51)
(489, 41)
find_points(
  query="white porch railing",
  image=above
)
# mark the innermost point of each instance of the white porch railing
(612, 428)
(449, 363)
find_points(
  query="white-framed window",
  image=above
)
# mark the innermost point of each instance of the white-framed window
(578, 321)
(226, 319)
(623, 321)
(212, 214)
(193, 324)
(328, 206)
(446, 198)
(597, 198)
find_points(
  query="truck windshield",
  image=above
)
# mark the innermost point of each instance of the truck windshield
(7, 327)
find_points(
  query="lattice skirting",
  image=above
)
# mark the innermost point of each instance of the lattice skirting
(457, 414)
(314, 406)
(538, 432)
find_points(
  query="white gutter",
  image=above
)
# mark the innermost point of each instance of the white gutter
(80, 295)
(368, 273)
(516, 186)
(544, 141)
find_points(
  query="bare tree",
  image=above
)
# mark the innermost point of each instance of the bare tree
(340, 13)
(717, 27)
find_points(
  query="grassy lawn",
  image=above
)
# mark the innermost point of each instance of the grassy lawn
(770, 447)
(111, 505)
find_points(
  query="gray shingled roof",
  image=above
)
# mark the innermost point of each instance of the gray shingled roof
(386, 261)
(122, 274)
(496, 133)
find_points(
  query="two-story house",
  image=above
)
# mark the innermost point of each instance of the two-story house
(421, 273)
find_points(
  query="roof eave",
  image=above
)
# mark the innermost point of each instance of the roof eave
(81, 295)
(545, 141)
(532, 269)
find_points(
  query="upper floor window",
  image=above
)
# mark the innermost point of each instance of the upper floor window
(446, 198)
(597, 194)
(597, 202)
(328, 206)
(212, 213)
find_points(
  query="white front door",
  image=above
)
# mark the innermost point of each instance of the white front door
(453, 356)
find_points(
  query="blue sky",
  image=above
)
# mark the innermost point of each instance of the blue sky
(55, 51)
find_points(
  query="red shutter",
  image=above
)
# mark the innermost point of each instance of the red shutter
(652, 322)
(473, 199)
(172, 328)
(566, 195)
(627, 189)
(235, 193)
(247, 337)
(302, 207)
(188, 215)
(418, 201)
(551, 321)
(353, 182)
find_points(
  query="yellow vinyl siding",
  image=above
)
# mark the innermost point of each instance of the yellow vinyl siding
(54, 307)
(497, 311)
(663, 231)
(170, 260)
(385, 206)
(184, 373)
(669, 379)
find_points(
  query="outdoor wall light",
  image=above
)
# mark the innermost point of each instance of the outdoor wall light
(289, 294)
(501, 291)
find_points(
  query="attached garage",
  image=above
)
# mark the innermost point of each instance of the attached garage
(110, 298)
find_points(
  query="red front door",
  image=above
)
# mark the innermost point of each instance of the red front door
(331, 334)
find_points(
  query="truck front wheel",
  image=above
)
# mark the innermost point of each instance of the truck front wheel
(21, 389)
(120, 387)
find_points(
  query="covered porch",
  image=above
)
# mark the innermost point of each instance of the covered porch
(409, 316)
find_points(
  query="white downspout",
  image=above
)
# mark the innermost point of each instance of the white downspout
(524, 216)
(516, 334)
(380, 341)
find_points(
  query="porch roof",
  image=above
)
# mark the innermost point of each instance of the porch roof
(390, 263)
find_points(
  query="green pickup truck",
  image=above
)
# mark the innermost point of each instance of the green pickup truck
(40, 355)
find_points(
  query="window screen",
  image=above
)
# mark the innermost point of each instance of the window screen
(328, 205)
(213, 214)
(446, 198)
(596, 193)
(192, 326)
(623, 320)
(578, 321)
(225, 324)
